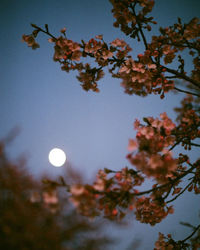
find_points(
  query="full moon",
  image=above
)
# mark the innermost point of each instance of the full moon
(57, 157)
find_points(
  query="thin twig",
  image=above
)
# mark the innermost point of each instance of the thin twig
(175, 144)
(179, 193)
(195, 144)
(185, 91)
(187, 238)
(166, 184)
(140, 29)
(44, 31)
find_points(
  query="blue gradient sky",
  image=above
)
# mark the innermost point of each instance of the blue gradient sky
(51, 108)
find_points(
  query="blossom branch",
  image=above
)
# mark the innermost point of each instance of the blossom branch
(44, 31)
(140, 28)
(182, 76)
(171, 182)
(180, 193)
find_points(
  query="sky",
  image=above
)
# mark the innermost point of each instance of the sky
(52, 110)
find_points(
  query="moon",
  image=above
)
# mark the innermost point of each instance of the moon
(57, 157)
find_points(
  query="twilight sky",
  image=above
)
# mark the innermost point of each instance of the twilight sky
(52, 110)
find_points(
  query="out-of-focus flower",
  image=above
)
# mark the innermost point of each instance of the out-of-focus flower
(77, 189)
(50, 197)
(30, 40)
(35, 197)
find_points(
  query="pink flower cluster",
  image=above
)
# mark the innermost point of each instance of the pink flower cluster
(151, 211)
(152, 141)
(30, 40)
(143, 77)
(66, 49)
(189, 123)
(123, 11)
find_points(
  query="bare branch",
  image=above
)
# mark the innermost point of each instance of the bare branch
(185, 91)
(187, 238)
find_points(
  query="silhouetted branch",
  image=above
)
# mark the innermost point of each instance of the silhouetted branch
(195, 230)
(44, 31)
(182, 76)
(185, 91)
(180, 193)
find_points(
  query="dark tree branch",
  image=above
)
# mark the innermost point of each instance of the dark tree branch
(44, 31)
(195, 230)
(182, 76)
(140, 29)
(185, 91)
(195, 144)
(187, 45)
(171, 182)
(175, 144)
(180, 193)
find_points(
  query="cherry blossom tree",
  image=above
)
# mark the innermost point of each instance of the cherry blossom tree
(157, 70)
(36, 216)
